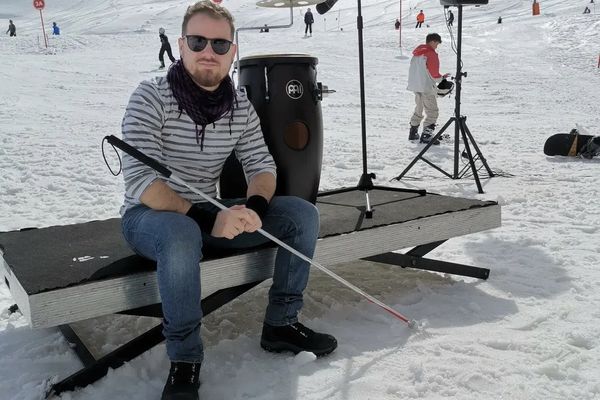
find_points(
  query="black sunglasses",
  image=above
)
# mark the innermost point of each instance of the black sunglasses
(198, 43)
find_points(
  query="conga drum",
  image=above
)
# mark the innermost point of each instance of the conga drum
(284, 91)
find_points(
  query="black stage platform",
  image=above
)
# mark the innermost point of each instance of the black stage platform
(63, 274)
(89, 265)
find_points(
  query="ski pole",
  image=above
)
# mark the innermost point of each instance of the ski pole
(152, 163)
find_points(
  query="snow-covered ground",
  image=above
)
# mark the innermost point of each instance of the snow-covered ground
(529, 332)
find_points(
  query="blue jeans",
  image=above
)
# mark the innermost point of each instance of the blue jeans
(175, 242)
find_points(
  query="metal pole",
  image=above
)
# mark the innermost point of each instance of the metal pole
(458, 78)
(249, 28)
(365, 183)
(400, 30)
(44, 29)
(361, 70)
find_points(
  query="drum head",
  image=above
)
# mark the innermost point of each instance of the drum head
(276, 59)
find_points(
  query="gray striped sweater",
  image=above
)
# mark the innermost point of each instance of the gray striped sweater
(153, 124)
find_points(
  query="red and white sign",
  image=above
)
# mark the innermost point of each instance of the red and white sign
(39, 4)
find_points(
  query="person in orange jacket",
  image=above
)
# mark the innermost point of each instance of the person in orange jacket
(420, 19)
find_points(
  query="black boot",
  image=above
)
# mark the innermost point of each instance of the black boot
(427, 135)
(183, 382)
(296, 338)
(413, 134)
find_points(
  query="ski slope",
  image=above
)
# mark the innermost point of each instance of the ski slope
(529, 332)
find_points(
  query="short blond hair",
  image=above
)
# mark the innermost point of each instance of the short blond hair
(209, 8)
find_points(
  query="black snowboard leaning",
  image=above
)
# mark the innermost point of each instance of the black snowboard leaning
(572, 144)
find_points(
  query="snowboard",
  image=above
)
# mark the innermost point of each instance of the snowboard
(572, 144)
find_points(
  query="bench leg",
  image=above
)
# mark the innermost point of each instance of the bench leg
(414, 259)
(96, 369)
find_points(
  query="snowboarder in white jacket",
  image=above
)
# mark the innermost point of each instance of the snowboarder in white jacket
(423, 77)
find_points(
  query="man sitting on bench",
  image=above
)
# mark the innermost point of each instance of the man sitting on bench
(190, 121)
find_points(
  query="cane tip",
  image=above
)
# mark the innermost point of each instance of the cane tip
(412, 324)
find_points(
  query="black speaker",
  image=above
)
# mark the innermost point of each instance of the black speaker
(325, 6)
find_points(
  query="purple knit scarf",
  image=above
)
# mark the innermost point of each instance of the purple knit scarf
(202, 106)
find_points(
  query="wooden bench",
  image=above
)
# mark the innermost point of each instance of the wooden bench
(63, 274)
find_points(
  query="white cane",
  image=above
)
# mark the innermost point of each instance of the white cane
(152, 163)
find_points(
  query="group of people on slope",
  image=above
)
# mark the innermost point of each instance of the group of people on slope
(450, 19)
(12, 29)
(421, 20)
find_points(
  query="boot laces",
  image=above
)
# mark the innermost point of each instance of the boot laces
(185, 373)
(301, 329)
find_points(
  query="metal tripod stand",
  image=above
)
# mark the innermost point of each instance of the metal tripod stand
(460, 130)
(365, 182)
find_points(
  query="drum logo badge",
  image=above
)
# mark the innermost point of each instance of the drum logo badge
(294, 89)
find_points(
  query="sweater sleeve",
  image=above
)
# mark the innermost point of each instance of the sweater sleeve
(252, 150)
(433, 65)
(141, 128)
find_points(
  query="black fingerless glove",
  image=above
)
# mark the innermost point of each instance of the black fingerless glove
(205, 219)
(258, 204)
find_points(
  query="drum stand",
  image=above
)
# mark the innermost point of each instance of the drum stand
(366, 180)
(460, 130)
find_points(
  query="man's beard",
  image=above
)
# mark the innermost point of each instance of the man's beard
(208, 78)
